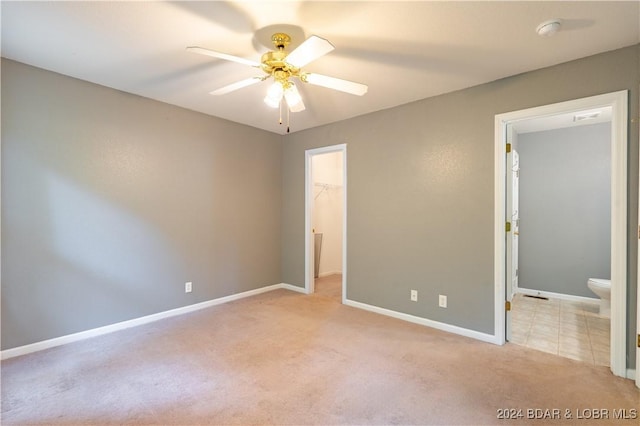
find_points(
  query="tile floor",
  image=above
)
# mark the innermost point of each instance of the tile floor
(566, 328)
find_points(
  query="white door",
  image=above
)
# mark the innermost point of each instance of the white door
(512, 215)
(515, 220)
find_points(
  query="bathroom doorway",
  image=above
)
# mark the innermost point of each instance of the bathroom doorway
(561, 226)
(325, 220)
(617, 102)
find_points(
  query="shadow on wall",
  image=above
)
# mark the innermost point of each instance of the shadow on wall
(96, 258)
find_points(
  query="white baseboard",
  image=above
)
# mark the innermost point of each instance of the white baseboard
(292, 288)
(423, 321)
(552, 295)
(70, 338)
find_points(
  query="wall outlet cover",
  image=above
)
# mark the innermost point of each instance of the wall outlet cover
(442, 301)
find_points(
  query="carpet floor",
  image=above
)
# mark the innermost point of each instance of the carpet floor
(287, 358)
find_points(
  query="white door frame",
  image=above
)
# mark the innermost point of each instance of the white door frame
(511, 238)
(618, 102)
(308, 216)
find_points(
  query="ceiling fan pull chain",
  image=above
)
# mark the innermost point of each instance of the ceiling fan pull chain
(288, 111)
(280, 107)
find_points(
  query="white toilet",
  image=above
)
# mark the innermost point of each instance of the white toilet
(602, 288)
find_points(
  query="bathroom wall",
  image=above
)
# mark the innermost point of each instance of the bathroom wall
(328, 208)
(565, 208)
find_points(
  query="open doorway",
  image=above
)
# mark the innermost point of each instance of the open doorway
(325, 219)
(618, 103)
(560, 238)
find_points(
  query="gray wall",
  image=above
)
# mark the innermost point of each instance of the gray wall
(420, 190)
(565, 208)
(111, 202)
(182, 189)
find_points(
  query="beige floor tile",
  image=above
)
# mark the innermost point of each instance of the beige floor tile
(520, 322)
(519, 335)
(599, 343)
(545, 323)
(518, 338)
(576, 345)
(527, 316)
(601, 357)
(541, 344)
(546, 330)
(570, 329)
(596, 323)
(585, 356)
(568, 306)
(548, 310)
(574, 333)
(590, 309)
(574, 328)
(573, 319)
(525, 306)
(600, 334)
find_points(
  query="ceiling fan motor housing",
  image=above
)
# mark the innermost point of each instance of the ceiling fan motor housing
(281, 40)
(273, 62)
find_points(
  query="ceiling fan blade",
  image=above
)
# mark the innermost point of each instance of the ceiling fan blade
(336, 83)
(310, 50)
(235, 86)
(220, 55)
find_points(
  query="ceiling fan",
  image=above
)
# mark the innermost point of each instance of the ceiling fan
(283, 66)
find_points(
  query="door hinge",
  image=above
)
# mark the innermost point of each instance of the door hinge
(508, 227)
(639, 340)
(508, 148)
(507, 306)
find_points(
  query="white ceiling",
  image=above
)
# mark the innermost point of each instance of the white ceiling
(404, 51)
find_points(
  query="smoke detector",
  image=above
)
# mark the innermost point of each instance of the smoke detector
(549, 28)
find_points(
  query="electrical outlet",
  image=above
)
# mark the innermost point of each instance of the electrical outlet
(414, 295)
(187, 287)
(442, 301)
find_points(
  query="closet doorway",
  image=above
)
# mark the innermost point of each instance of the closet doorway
(325, 221)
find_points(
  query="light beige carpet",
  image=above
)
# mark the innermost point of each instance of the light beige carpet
(287, 358)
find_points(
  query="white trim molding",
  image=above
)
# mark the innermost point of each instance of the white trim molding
(617, 101)
(309, 279)
(552, 295)
(75, 337)
(423, 321)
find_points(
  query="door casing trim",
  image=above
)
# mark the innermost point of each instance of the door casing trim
(308, 216)
(618, 101)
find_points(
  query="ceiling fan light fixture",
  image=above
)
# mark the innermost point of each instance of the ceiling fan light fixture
(283, 66)
(274, 95)
(292, 96)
